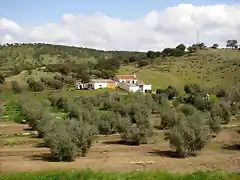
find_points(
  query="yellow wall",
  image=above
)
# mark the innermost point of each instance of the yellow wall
(111, 85)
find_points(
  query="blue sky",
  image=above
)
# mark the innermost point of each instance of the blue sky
(34, 12)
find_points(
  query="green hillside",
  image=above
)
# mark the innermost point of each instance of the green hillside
(16, 56)
(209, 67)
(206, 66)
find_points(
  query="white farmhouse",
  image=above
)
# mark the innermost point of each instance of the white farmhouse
(126, 78)
(130, 83)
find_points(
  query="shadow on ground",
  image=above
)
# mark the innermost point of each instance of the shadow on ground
(115, 142)
(232, 147)
(42, 157)
(165, 153)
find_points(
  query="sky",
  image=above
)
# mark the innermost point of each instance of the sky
(120, 25)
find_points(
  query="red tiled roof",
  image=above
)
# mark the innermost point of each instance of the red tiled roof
(127, 77)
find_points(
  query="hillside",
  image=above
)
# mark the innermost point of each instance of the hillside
(208, 67)
(19, 55)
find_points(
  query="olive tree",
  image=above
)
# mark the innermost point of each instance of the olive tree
(69, 139)
(189, 134)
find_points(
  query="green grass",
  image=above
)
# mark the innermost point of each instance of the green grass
(12, 112)
(207, 67)
(147, 75)
(90, 175)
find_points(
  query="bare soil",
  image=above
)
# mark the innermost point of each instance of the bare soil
(107, 153)
(11, 128)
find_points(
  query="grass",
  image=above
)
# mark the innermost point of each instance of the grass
(12, 112)
(207, 67)
(90, 175)
(18, 141)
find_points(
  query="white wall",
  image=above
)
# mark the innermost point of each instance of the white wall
(147, 87)
(98, 85)
(133, 88)
(128, 87)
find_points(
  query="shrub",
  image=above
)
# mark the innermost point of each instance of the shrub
(192, 88)
(68, 80)
(137, 133)
(107, 123)
(202, 103)
(214, 121)
(189, 134)
(225, 112)
(142, 63)
(2, 79)
(57, 100)
(69, 139)
(221, 93)
(35, 85)
(45, 124)
(235, 107)
(56, 84)
(187, 109)
(59, 77)
(172, 92)
(233, 94)
(15, 87)
(32, 110)
(176, 103)
(168, 117)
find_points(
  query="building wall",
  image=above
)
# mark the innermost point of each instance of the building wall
(147, 87)
(98, 85)
(111, 85)
(128, 87)
(133, 89)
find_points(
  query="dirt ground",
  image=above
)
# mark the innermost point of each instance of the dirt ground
(22, 154)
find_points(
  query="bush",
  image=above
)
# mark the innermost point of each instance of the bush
(170, 92)
(233, 94)
(15, 87)
(69, 139)
(58, 77)
(235, 107)
(32, 110)
(35, 86)
(137, 133)
(225, 112)
(56, 84)
(57, 100)
(187, 109)
(45, 124)
(107, 122)
(189, 134)
(142, 63)
(2, 79)
(169, 116)
(202, 103)
(68, 80)
(192, 89)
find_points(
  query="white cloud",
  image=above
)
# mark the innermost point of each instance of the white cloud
(155, 31)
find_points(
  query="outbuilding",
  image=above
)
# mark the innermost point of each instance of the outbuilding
(102, 83)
